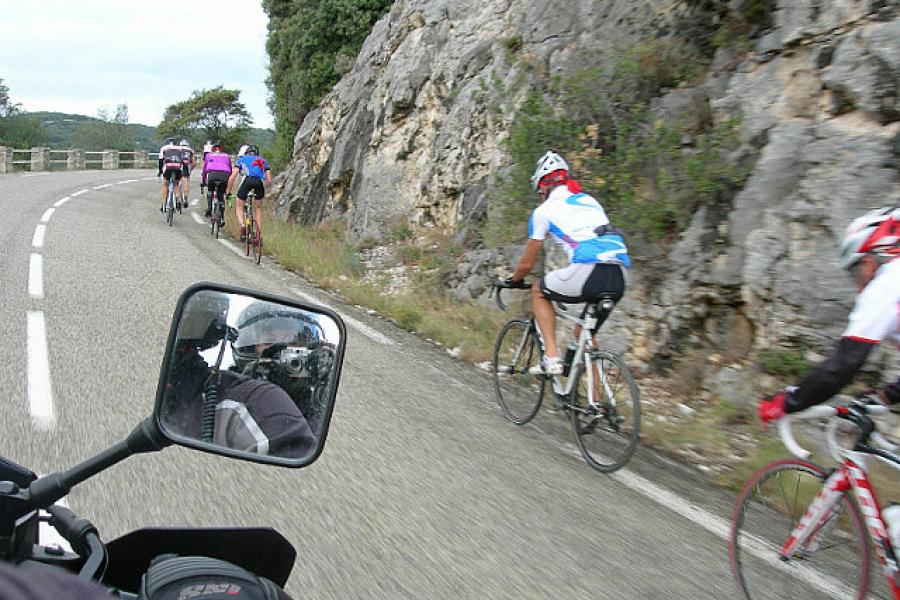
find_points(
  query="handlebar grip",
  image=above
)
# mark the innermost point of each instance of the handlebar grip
(71, 527)
(787, 436)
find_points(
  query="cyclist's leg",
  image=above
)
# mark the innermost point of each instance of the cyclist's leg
(165, 190)
(239, 205)
(260, 190)
(562, 285)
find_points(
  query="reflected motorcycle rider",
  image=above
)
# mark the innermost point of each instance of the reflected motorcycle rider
(237, 411)
(287, 348)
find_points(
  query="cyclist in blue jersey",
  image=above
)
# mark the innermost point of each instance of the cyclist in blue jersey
(256, 170)
(598, 258)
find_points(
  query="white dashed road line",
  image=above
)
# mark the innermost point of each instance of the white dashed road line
(47, 214)
(198, 219)
(36, 276)
(40, 396)
(38, 240)
(103, 186)
(80, 192)
(61, 201)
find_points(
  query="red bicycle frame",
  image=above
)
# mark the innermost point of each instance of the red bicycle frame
(850, 475)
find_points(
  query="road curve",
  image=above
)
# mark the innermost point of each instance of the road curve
(423, 490)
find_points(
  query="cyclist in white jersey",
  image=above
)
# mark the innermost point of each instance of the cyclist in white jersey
(870, 251)
(597, 254)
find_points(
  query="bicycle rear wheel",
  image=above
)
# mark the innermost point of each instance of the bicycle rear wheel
(170, 210)
(835, 564)
(607, 430)
(248, 229)
(518, 392)
(257, 243)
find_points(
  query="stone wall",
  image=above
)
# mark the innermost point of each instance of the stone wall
(416, 129)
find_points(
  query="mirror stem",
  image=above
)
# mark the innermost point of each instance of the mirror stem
(144, 438)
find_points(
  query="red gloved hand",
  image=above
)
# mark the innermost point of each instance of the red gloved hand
(771, 408)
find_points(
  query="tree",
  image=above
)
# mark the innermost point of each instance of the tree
(110, 132)
(216, 114)
(310, 45)
(18, 130)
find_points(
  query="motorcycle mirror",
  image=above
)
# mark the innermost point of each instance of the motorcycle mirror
(250, 375)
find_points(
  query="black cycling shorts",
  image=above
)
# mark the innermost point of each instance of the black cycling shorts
(167, 174)
(186, 168)
(252, 183)
(583, 282)
(217, 180)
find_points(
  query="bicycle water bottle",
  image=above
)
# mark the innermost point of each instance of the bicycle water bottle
(570, 355)
(891, 517)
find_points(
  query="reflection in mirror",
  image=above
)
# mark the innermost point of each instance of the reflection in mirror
(250, 375)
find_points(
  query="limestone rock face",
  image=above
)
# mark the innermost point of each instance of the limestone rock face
(415, 130)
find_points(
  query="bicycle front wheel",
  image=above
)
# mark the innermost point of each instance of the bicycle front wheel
(519, 393)
(257, 243)
(607, 429)
(833, 564)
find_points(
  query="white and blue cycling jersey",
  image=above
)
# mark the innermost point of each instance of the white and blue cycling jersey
(572, 218)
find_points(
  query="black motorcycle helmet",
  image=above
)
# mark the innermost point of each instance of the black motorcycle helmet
(252, 150)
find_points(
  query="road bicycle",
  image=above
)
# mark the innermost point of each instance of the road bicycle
(217, 212)
(253, 239)
(596, 389)
(172, 204)
(799, 530)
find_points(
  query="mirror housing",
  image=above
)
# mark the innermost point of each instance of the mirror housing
(249, 375)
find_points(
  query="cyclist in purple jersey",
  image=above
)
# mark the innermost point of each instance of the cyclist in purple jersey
(216, 169)
(256, 170)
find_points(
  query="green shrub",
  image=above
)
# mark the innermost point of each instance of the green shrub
(783, 362)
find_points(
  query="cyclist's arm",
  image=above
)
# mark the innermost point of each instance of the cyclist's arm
(529, 258)
(828, 378)
(268, 177)
(160, 161)
(234, 174)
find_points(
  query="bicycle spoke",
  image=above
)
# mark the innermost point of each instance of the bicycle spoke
(518, 392)
(607, 431)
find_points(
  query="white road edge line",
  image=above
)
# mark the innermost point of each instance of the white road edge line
(199, 220)
(40, 397)
(722, 528)
(80, 192)
(103, 186)
(47, 214)
(233, 248)
(38, 240)
(62, 201)
(36, 276)
(358, 325)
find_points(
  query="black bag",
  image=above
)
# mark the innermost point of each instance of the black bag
(202, 578)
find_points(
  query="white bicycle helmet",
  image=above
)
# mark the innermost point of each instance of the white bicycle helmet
(877, 231)
(548, 163)
(184, 143)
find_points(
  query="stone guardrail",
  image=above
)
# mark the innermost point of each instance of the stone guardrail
(45, 159)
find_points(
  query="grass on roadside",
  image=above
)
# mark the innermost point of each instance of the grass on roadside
(324, 255)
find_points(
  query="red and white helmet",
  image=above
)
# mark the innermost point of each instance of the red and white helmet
(548, 163)
(876, 232)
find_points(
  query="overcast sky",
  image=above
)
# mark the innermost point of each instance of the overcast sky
(78, 56)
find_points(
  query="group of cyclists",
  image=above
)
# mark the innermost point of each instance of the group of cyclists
(218, 172)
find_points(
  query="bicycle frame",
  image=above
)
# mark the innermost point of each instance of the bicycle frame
(851, 475)
(580, 361)
(170, 199)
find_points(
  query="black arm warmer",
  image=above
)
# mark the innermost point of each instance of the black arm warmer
(828, 378)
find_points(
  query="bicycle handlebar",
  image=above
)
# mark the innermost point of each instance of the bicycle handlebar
(498, 285)
(830, 412)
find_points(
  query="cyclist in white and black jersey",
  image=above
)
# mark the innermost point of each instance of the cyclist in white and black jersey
(170, 165)
(597, 254)
(870, 251)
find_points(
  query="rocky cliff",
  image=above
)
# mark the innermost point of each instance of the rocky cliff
(414, 132)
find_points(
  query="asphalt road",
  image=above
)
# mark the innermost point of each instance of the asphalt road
(423, 490)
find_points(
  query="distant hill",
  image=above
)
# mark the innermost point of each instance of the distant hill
(61, 127)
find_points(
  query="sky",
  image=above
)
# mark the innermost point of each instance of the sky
(79, 56)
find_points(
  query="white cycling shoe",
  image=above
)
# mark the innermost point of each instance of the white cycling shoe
(549, 365)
